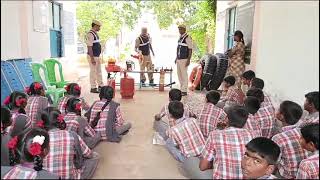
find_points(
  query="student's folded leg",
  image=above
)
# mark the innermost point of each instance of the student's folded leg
(161, 127)
(92, 141)
(124, 128)
(174, 151)
(90, 166)
(190, 169)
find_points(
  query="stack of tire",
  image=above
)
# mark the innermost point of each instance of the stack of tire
(214, 70)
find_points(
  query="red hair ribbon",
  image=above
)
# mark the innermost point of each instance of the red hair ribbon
(7, 100)
(60, 118)
(37, 86)
(27, 90)
(40, 124)
(12, 144)
(77, 88)
(35, 149)
(78, 106)
(20, 101)
(67, 88)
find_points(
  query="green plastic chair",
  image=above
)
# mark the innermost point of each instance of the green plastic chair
(50, 64)
(51, 90)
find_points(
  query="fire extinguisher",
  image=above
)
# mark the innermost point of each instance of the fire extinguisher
(161, 82)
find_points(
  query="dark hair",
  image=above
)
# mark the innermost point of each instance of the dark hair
(71, 105)
(291, 111)
(5, 117)
(73, 89)
(175, 95)
(310, 132)
(255, 92)
(50, 118)
(248, 75)
(35, 88)
(23, 147)
(213, 97)
(240, 35)
(237, 116)
(257, 83)
(106, 92)
(252, 104)
(14, 96)
(313, 98)
(93, 24)
(176, 109)
(230, 80)
(266, 148)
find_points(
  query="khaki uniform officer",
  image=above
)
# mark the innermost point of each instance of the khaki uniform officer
(143, 45)
(184, 53)
(94, 51)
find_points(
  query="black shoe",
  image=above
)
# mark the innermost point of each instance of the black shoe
(94, 90)
(151, 83)
(184, 93)
(99, 88)
(143, 83)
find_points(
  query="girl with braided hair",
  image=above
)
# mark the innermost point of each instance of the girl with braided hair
(75, 122)
(16, 103)
(36, 101)
(66, 147)
(28, 151)
(73, 90)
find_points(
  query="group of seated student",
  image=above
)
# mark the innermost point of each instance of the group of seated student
(248, 139)
(41, 141)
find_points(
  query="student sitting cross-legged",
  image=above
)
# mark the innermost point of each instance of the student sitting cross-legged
(221, 157)
(233, 95)
(163, 121)
(185, 138)
(211, 115)
(105, 117)
(28, 150)
(260, 159)
(252, 104)
(75, 122)
(291, 151)
(309, 167)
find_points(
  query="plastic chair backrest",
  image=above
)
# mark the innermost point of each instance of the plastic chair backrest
(23, 68)
(36, 67)
(5, 87)
(14, 80)
(50, 65)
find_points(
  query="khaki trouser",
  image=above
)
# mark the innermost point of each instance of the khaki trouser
(182, 71)
(146, 63)
(95, 72)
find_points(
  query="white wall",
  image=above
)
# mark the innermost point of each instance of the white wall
(287, 48)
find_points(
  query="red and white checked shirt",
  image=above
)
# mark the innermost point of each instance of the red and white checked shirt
(20, 172)
(15, 116)
(100, 128)
(267, 101)
(309, 168)
(234, 96)
(253, 124)
(71, 121)
(291, 152)
(61, 155)
(302, 122)
(63, 102)
(226, 149)
(34, 106)
(164, 113)
(209, 117)
(71, 118)
(187, 135)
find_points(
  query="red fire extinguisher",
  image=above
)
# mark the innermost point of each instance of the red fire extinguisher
(127, 87)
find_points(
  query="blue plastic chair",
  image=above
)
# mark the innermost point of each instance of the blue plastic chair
(23, 67)
(5, 87)
(12, 76)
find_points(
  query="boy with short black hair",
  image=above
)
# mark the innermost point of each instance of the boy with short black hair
(259, 83)
(311, 104)
(224, 148)
(162, 121)
(185, 138)
(211, 115)
(292, 153)
(232, 95)
(246, 78)
(252, 104)
(265, 115)
(309, 168)
(260, 159)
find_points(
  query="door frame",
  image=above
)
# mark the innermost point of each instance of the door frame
(58, 32)
(232, 14)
